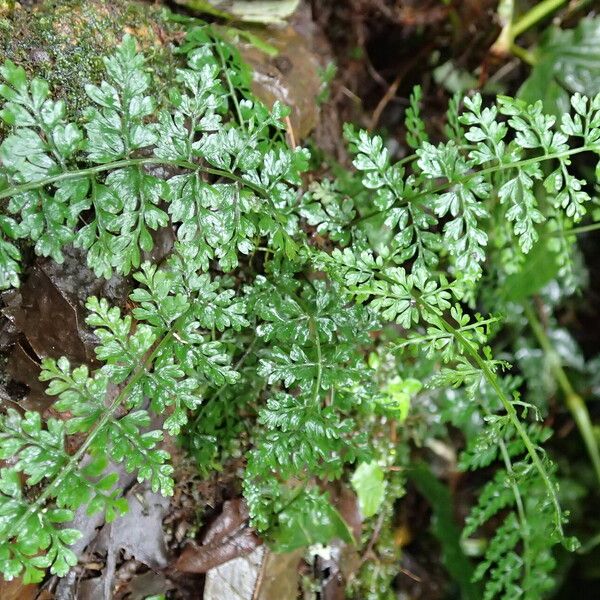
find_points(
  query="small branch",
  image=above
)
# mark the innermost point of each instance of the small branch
(393, 88)
(512, 29)
(523, 54)
(389, 94)
(577, 230)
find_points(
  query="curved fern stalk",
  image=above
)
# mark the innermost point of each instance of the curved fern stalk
(408, 299)
(575, 403)
(508, 406)
(121, 164)
(506, 459)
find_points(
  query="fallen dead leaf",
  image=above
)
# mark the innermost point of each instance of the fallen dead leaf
(138, 534)
(235, 579)
(279, 577)
(48, 316)
(227, 538)
(17, 590)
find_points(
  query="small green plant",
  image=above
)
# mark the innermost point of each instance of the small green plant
(249, 310)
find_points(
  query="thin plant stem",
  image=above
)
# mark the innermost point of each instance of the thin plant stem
(533, 452)
(519, 504)
(577, 230)
(573, 400)
(536, 14)
(525, 55)
(511, 28)
(230, 85)
(121, 164)
(472, 351)
(505, 12)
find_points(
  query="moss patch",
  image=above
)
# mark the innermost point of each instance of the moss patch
(63, 41)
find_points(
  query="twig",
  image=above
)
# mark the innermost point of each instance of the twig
(512, 29)
(290, 131)
(505, 12)
(374, 537)
(390, 93)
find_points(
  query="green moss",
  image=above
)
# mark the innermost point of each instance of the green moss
(63, 41)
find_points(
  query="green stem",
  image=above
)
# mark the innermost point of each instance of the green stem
(492, 379)
(230, 85)
(120, 164)
(433, 337)
(536, 14)
(74, 461)
(472, 351)
(520, 507)
(525, 55)
(313, 326)
(573, 400)
(578, 230)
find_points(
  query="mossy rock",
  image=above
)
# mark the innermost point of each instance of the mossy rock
(64, 41)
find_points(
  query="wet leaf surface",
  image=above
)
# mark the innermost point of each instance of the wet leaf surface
(368, 481)
(279, 576)
(309, 519)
